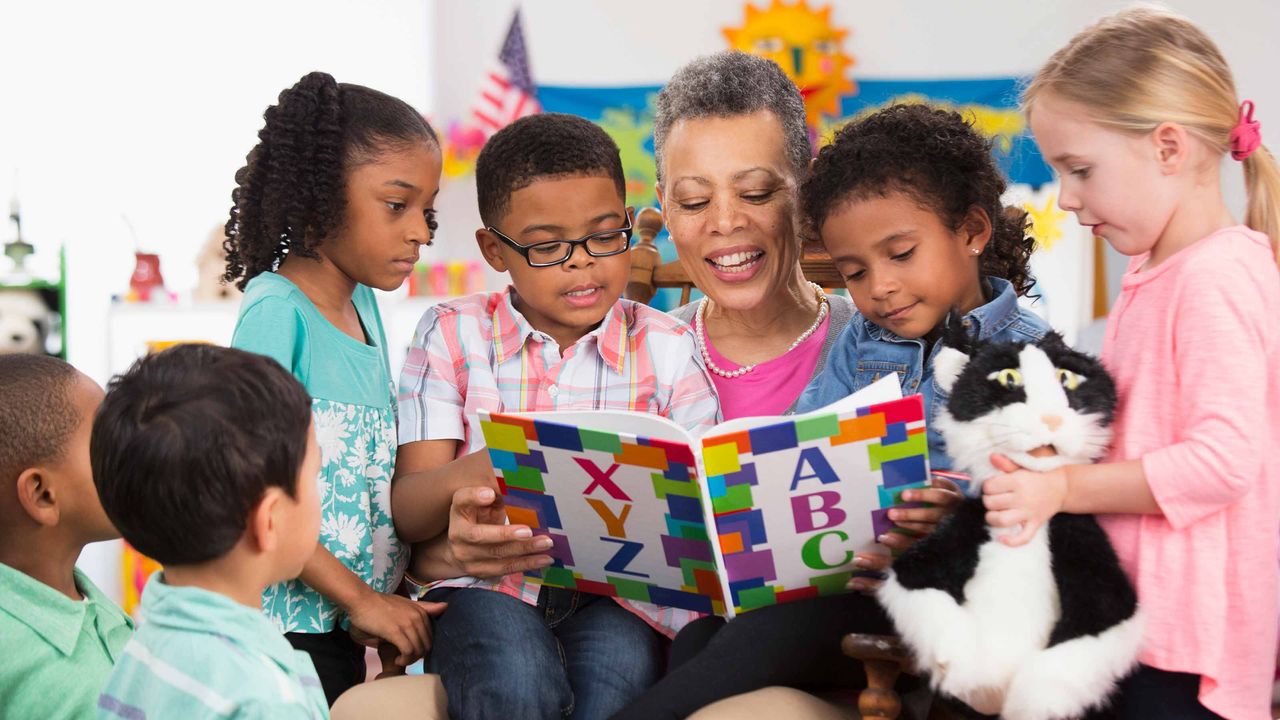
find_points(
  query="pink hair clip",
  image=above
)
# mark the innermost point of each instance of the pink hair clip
(1246, 136)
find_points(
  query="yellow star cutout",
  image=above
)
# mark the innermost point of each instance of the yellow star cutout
(1046, 222)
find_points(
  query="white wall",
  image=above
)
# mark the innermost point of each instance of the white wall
(145, 110)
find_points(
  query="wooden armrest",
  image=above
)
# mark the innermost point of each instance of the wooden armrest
(883, 657)
(887, 648)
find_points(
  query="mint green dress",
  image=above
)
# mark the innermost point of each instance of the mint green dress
(354, 407)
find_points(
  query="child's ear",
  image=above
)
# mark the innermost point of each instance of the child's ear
(37, 497)
(1170, 140)
(975, 229)
(264, 525)
(491, 249)
(947, 366)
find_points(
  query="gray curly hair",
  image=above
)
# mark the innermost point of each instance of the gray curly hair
(727, 84)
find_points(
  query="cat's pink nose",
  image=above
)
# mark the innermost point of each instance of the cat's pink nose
(1053, 422)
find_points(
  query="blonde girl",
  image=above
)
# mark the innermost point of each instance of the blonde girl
(1136, 114)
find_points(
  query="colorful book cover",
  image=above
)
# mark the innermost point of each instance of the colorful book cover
(757, 511)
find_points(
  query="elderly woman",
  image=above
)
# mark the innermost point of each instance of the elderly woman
(732, 148)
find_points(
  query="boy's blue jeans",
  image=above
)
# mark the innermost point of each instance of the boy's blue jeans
(573, 656)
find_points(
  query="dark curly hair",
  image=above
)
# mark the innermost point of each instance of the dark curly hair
(542, 146)
(38, 414)
(936, 157)
(290, 194)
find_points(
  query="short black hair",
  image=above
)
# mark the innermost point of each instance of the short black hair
(37, 412)
(937, 158)
(546, 145)
(290, 195)
(186, 443)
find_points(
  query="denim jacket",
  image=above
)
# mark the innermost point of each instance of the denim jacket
(865, 352)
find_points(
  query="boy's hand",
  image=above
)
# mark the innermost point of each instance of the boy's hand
(397, 620)
(945, 495)
(1022, 497)
(483, 545)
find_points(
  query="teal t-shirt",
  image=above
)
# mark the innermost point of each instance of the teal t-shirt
(199, 655)
(57, 652)
(353, 404)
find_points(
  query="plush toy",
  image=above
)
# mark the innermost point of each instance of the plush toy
(1046, 629)
(24, 322)
(211, 263)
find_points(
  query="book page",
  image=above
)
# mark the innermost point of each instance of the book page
(619, 495)
(794, 498)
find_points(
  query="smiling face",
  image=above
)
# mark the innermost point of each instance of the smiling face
(1110, 180)
(568, 300)
(905, 269)
(729, 202)
(390, 215)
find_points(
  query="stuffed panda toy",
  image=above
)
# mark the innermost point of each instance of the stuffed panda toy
(1044, 630)
(24, 322)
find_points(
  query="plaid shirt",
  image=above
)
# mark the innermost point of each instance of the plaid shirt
(478, 352)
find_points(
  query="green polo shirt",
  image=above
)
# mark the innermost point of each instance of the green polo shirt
(199, 655)
(57, 652)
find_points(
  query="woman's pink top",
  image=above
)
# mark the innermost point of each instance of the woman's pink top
(1194, 345)
(773, 386)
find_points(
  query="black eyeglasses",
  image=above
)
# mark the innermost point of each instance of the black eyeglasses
(555, 252)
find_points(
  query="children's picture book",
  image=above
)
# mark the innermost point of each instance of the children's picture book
(755, 512)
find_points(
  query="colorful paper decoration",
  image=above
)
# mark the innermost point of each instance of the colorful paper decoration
(136, 570)
(804, 43)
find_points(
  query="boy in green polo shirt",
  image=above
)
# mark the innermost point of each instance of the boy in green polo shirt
(206, 460)
(60, 634)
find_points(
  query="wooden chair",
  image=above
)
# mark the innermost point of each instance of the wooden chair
(883, 656)
(649, 273)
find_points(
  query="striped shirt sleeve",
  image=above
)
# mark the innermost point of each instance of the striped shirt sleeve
(430, 393)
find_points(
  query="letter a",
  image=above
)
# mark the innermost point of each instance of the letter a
(821, 468)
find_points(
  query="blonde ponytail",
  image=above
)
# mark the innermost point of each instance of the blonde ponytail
(1262, 185)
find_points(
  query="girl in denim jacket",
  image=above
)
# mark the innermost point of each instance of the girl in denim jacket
(907, 202)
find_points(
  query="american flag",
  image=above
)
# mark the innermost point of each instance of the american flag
(508, 93)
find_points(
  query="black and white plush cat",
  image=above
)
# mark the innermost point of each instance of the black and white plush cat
(1040, 631)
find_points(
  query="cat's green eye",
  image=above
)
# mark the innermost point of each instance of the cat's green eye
(1069, 380)
(1008, 377)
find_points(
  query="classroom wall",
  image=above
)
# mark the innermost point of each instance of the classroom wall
(124, 122)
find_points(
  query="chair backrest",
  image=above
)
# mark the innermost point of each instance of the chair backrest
(649, 273)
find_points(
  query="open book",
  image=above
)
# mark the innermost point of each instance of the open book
(755, 512)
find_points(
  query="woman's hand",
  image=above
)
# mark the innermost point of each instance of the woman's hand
(1023, 497)
(944, 496)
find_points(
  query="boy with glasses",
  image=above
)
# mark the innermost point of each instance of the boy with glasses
(552, 198)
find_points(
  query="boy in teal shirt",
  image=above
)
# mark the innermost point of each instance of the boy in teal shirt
(61, 635)
(206, 460)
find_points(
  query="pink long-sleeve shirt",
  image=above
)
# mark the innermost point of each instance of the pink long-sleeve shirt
(1194, 345)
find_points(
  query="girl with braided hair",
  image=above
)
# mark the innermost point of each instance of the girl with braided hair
(337, 198)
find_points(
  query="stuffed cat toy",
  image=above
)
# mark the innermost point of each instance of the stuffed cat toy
(1036, 632)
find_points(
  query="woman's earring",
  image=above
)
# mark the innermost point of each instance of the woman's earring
(976, 251)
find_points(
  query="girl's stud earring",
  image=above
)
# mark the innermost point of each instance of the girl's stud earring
(976, 251)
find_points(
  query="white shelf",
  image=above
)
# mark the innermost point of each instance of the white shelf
(130, 326)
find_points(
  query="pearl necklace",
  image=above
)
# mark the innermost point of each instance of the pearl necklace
(699, 323)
